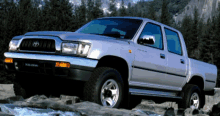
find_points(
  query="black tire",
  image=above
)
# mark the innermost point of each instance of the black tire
(188, 91)
(21, 87)
(92, 88)
(19, 91)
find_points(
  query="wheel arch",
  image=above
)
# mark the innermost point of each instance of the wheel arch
(197, 80)
(117, 63)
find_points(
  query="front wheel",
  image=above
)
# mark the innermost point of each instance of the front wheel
(105, 87)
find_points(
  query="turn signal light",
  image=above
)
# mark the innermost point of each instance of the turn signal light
(62, 64)
(8, 60)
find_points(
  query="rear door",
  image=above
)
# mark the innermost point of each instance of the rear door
(176, 70)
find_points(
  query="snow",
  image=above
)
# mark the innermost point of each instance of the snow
(27, 111)
(40, 112)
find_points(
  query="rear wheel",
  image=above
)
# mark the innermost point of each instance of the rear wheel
(193, 97)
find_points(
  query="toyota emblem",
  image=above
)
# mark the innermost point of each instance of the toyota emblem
(36, 44)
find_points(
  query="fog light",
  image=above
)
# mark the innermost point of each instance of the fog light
(8, 60)
(6, 66)
(16, 65)
(62, 64)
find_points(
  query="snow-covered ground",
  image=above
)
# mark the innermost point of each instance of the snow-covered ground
(27, 111)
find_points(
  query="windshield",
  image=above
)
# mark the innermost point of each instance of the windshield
(113, 27)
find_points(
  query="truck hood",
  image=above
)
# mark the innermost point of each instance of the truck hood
(64, 35)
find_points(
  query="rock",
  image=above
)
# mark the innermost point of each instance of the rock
(42, 97)
(89, 108)
(189, 111)
(8, 109)
(149, 105)
(4, 101)
(15, 98)
(146, 107)
(215, 110)
(139, 112)
(169, 112)
(32, 99)
(193, 111)
(70, 99)
(147, 101)
(5, 114)
(6, 90)
(180, 112)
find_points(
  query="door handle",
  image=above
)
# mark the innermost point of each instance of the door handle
(182, 61)
(162, 56)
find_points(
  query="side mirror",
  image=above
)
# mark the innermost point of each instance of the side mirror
(147, 39)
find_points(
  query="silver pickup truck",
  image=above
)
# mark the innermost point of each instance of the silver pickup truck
(116, 57)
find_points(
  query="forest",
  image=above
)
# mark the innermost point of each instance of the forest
(202, 38)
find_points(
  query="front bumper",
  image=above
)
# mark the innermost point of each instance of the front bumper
(80, 68)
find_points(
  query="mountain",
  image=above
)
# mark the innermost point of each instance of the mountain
(206, 9)
(105, 3)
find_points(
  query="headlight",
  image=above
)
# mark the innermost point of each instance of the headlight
(13, 45)
(81, 49)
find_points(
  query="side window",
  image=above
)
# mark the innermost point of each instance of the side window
(152, 29)
(173, 42)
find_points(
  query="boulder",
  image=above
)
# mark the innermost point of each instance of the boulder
(169, 112)
(6, 90)
(70, 99)
(15, 98)
(74, 104)
(192, 111)
(215, 110)
(83, 108)
(5, 114)
(149, 105)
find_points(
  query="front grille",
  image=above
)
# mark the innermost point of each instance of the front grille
(46, 45)
(42, 67)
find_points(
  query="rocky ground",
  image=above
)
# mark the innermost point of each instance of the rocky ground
(79, 107)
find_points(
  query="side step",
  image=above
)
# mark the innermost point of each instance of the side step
(145, 92)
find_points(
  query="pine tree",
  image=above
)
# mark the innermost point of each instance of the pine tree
(9, 25)
(81, 12)
(165, 15)
(54, 19)
(122, 9)
(98, 12)
(112, 8)
(152, 12)
(129, 10)
(90, 12)
(186, 29)
(76, 14)
(25, 15)
(205, 42)
(195, 38)
(216, 43)
(216, 40)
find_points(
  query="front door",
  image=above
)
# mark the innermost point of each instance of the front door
(149, 66)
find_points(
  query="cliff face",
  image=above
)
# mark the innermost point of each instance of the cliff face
(206, 9)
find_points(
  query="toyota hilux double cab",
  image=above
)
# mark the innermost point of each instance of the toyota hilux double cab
(115, 57)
